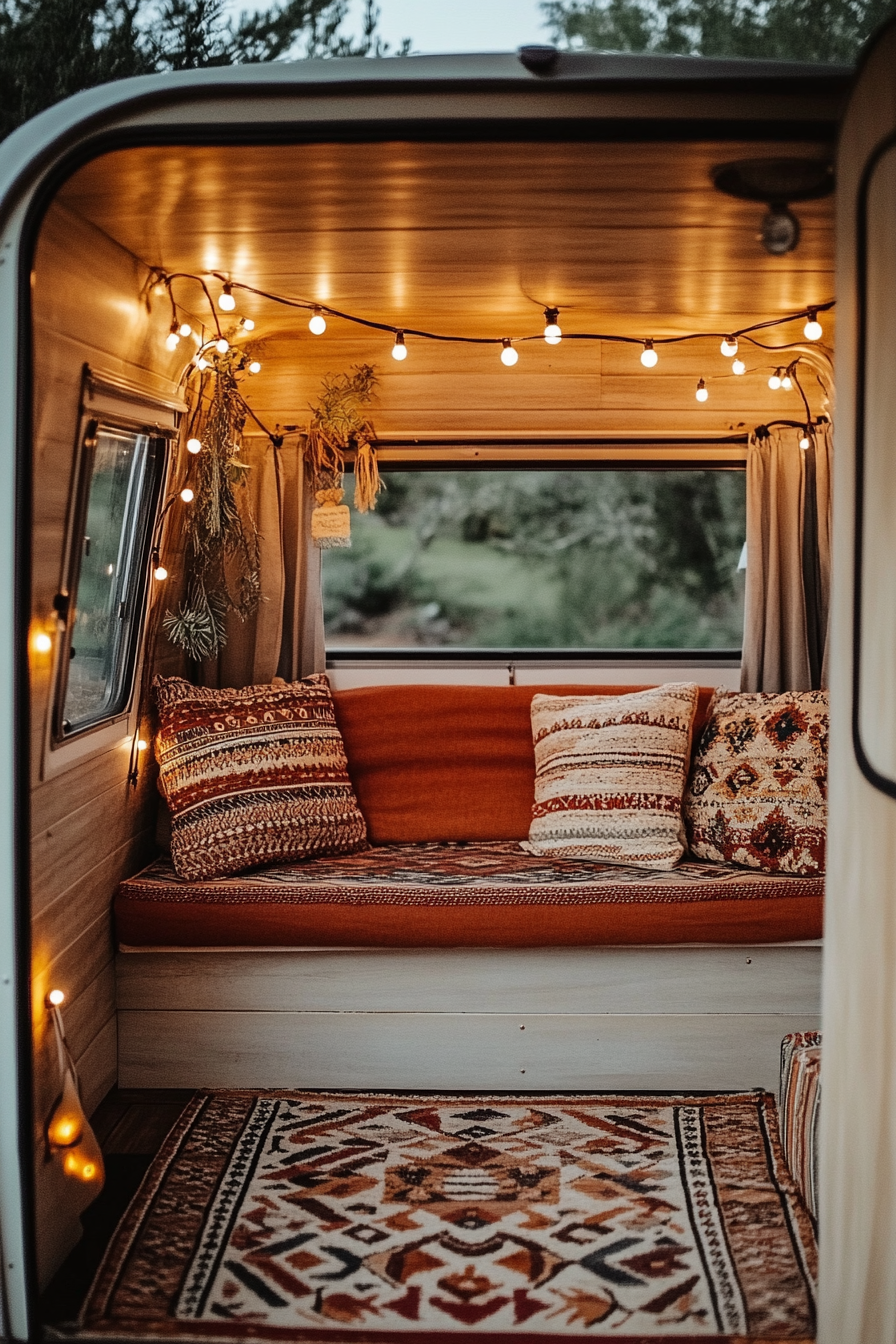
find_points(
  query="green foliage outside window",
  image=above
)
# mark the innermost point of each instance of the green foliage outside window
(543, 559)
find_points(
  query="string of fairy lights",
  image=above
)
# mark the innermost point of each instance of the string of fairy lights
(508, 346)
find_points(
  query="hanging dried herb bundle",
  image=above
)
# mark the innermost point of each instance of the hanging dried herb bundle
(222, 539)
(339, 424)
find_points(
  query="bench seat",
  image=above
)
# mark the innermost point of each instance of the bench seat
(465, 894)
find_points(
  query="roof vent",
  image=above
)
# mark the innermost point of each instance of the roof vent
(538, 60)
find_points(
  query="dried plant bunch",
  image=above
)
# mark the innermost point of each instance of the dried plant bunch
(222, 537)
(340, 425)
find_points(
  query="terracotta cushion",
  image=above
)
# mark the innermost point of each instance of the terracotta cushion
(449, 762)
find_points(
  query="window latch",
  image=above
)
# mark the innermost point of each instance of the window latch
(61, 604)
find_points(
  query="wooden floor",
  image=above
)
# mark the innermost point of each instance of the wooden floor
(130, 1126)
(134, 1121)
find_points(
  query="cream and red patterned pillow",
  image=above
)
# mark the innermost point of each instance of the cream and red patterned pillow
(610, 772)
(757, 794)
(253, 776)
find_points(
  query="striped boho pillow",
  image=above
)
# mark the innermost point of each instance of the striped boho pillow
(253, 776)
(610, 772)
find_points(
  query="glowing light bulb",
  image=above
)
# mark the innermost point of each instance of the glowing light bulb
(255, 366)
(728, 346)
(787, 382)
(160, 573)
(226, 301)
(399, 349)
(318, 323)
(775, 381)
(85, 1161)
(247, 324)
(812, 330)
(508, 355)
(42, 642)
(185, 329)
(187, 495)
(201, 362)
(649, 356)
(804, 442)
(194, 446)
(142, 744)
(738, 366)
(67, 1122)
(702, 394)
(172, 340)
(56, 997)
(552, 332)
(222, 346)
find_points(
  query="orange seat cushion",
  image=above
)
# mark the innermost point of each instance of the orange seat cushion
(142, 923)
(449, 762)
(464, 895)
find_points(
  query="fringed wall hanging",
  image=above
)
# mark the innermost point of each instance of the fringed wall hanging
(339, 425)
(222, 549)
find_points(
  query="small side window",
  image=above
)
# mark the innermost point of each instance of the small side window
(119, 478)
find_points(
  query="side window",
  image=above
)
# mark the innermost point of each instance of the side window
(120, 475)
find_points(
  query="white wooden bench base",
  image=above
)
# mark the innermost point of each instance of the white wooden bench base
(640, 1018)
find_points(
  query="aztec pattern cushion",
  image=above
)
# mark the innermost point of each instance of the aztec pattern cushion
(799, 1107)
(758, 788)
(253, 776)
(610, 772)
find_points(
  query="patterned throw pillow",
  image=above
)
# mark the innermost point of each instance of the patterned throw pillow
(757, 794)
(253, 776)
(610, 772)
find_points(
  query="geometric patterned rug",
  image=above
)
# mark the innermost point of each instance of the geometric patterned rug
(383, 1216)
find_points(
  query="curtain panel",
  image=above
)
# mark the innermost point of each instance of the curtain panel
(285, 636)
(787, 600)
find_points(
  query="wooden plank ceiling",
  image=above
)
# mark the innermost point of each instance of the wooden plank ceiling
(475, 239)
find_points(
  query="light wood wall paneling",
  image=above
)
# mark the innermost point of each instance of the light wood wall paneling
(89, 829)
(72, 846)
(452, 1051)
(60, 925)
(746, 980)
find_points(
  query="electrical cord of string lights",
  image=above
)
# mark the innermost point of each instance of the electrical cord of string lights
(783, 377)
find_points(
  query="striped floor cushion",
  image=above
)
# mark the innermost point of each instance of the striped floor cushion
(799, 1103)
(464, 894)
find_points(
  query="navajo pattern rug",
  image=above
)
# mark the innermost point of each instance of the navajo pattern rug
(460, 873)
(313, 1216)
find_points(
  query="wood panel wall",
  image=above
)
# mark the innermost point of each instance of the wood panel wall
(89, 827)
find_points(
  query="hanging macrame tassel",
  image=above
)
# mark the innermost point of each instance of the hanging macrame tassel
(330, 521)
(367, 478)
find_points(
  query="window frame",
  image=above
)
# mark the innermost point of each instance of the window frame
(115, 404)
(490, 455)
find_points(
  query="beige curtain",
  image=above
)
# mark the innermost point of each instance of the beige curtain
(787, 602)
(302, 644)
(286, 635)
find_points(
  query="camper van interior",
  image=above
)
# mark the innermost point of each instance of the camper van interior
(424, 879)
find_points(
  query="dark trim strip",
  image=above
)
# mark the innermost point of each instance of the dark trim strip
(500, 657)
(880, 781)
